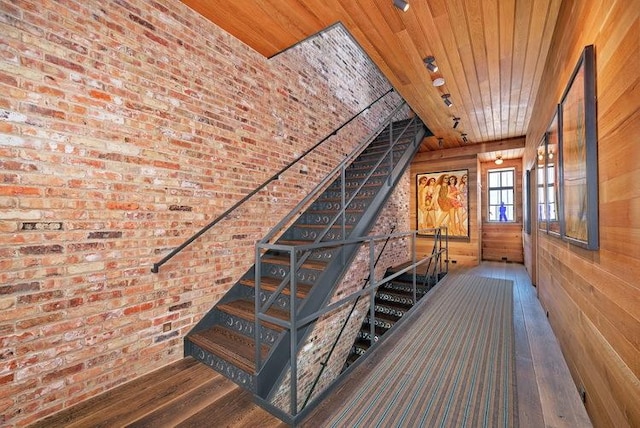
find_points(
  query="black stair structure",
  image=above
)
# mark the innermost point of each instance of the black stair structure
(393, 300)
(225, 338)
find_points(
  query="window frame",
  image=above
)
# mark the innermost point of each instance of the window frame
(501, 188)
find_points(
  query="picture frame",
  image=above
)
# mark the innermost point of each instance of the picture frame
(541, 185)
(526, 202)
(552, 175)
(579, 155)
(442, 199)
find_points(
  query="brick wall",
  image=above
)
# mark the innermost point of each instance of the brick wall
(126, 126)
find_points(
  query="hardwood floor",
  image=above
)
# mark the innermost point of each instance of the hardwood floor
(189, 394)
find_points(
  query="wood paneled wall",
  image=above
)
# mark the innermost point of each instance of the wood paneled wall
(463, 252)
(502, 241)
(593, 297)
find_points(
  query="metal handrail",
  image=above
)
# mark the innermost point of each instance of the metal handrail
(294, 324)
(343, 204)
(156, 266)
(289, 277)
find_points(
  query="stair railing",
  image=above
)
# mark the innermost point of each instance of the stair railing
(294, 324)
(156, 266)
(289, 278)
(323, 364)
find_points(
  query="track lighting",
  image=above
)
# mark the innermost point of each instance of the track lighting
(401, 4)
(430, 62)
(456, 122)
(464, 138)
(447, 101)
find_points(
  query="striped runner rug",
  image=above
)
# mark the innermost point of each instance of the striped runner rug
(453, 367)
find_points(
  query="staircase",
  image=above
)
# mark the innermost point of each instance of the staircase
(225, 338)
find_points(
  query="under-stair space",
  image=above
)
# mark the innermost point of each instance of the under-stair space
(225, 339)
(393, 300)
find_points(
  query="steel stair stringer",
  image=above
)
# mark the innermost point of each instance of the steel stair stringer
(276, 367)
(224, 337)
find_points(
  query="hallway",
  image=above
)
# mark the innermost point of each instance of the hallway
(546, 394)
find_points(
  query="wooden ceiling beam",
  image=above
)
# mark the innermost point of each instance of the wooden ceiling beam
(511, 144)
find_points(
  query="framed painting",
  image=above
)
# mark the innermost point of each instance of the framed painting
(442, 199)
(526, 202)
(541, 185)
(552, 174)
(579, 155)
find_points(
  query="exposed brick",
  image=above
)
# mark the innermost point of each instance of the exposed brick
(41, 249)
(124, 131)
(24, 287)
(184, 305)
(105, 235)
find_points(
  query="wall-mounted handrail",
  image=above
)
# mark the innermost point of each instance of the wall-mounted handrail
(156, 266)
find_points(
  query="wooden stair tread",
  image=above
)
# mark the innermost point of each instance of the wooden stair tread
(284, 260)
(229, 345)
(270, 284)
(245, 309)
(322, 226)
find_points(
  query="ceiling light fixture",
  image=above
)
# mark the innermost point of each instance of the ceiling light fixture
(464, 138)
(498, 160)
(447, 101)
(456, 122)
(401, 4)
(438, 81)
(430, 62)
(440, 142)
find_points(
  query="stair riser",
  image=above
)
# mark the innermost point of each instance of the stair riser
(326, 205)
(304, 275)
(231, 372)
(245, 327)
(324, 219)
(308, 234)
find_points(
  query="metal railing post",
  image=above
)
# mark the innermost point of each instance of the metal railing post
(294, 337)
(256, 332)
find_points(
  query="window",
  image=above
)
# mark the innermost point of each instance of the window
(501, 195)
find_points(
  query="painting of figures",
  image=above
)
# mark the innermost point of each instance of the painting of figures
(442, 200)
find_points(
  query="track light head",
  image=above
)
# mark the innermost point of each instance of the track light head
(464, 138)
(430, 62)
(456, 122)
(447, 100)
(401, 4)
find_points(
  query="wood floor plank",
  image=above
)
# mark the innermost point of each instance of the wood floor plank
(140, 403)
(235, 409)
(187, 405)
(115, 395)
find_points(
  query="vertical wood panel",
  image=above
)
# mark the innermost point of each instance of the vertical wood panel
(593, 297)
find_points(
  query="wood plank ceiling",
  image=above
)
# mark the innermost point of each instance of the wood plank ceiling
(491, 53)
